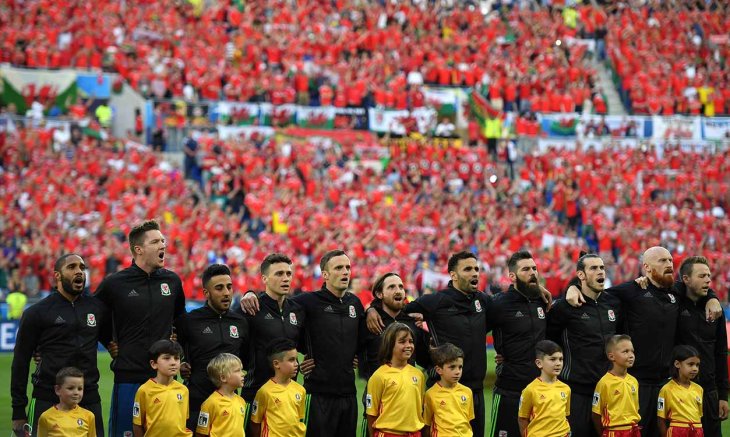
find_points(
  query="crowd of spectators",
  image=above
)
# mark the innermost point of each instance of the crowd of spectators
(405, 210)
(671, 58)
(341, 53)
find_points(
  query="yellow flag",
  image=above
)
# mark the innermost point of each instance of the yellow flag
(277, 224)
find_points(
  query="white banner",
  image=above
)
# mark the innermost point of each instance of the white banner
(396, 122)
(233, 132)
(716, 128)
(434, 280)
(677, 128)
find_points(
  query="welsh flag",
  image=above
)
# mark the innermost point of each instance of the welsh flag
(481, 108)
(277, 116)
(443, 100)
(316, 117)
(22, 87)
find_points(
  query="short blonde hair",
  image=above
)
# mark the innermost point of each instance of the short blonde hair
(220, 366)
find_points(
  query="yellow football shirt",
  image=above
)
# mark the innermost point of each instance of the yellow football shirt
(162, 409)
(78, 422)
(280, 409)
(547, 406)
(221, 416)
(681, 405)
(616, 399)
(395, 396)
(448, 411)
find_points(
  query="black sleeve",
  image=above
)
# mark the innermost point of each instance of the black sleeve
(575, 282)
(425, 305)
(245, 338)
(721, 378)
(106, 330)
(29, 333)
(423, 356)
(624, 292)
(556, 321)
(181, 324)
(103, 292)
(179, 300)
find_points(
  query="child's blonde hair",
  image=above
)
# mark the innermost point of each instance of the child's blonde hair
(221, 366)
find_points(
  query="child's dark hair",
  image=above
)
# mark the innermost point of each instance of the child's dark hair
(161, 347)
(445, 354)
(680, 353)
(545, 348)
(68, 372)
(390, 336)
(278, 348)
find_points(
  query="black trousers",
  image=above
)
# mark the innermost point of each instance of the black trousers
(477, 425)
(328, 415)
(711, 424)
(580, 419)
(505, 406)
(648, 396)
(39, 406)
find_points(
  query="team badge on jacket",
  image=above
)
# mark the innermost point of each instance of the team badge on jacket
(234, 331)
(165, 289)
(352, 311)
(611, 316)
(293, 319)
(671, 298)
(478, 306)
(90, 320)
(540, 312)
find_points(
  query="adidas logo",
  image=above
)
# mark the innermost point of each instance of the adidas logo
(686, 313)
(519, 314)
(452, 309)
(585, 316)
(443, 403)
(133, 293)
(157, 401)
(648, 294)
(225, 413)
(207, 330)
(328, 309)
(59, 320)
(542, 397)
(268, 316)
(616, 393)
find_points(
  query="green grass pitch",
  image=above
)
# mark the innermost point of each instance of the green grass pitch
(105, 388)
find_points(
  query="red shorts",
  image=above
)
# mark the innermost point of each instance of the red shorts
(675, 431)
(633, 432)
(390, 434)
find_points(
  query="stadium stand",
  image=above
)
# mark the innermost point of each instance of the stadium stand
(341, 53)
(670, 60)
(267, 196)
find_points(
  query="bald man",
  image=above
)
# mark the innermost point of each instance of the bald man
(650, 317)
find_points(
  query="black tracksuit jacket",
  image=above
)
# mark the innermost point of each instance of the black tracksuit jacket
(460, 319)
(204, 333)
(650, 318)
(517, 324)
(369, 362)
(268, 324)
(65, 334)
(710, 340)
(143, 309)
(334, 334)
(582, 332)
